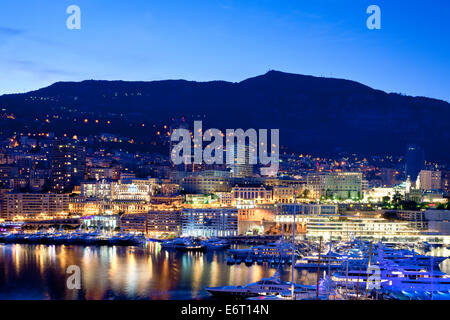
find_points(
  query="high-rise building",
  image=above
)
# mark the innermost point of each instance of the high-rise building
(415, 161)
(429, 180)
(239, 169)
(68, 166)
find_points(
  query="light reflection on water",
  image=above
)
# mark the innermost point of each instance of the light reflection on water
(39, 272)
(442, 252)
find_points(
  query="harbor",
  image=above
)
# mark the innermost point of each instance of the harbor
(121, 266)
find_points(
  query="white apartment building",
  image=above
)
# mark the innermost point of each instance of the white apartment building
(209, 222)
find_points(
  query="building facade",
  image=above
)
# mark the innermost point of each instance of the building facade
(338, 185)
(429, 180)
(213, 222)
(68, 163)
(250, 196)
(34, 205)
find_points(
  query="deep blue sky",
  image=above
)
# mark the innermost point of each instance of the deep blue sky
(227, 40)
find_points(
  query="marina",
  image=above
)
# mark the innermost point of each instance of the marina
(194, 268)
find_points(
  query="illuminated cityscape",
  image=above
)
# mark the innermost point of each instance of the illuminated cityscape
(329, 180)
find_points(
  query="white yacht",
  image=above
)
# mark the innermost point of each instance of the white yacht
(265, 287)
(396, 278)
(272, 251)
(183, 244)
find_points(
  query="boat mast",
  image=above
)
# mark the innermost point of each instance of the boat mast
(346, 280)
(293, 246)
(318, 269)
(368, 268)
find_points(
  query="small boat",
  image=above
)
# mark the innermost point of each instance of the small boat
(231, 261)
(259, 262)
(238, 260)
(215, 244)
(248, 261)
(183, 244)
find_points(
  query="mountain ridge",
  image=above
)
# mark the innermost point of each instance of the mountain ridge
(314, 114)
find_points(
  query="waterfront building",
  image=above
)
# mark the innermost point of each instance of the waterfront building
(438, 221)
(101, 222)
(285, 214)
(307, 209)
(416, 219)
(155, 222)
(33, 205)
(209, 222)
(257, 219)
(86, 207)
(163, 222)
(133, 223)
(346, 227)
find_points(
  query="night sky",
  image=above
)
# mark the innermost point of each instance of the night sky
(229, 40)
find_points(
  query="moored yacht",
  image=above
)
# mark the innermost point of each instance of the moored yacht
(264, 287)
(216, 244)
(275, 251)
(183, 244)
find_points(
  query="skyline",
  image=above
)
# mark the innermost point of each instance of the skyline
(226, 40)
(223, 151)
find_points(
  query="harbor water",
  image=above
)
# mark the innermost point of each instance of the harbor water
(39, 272)
(148, 272)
